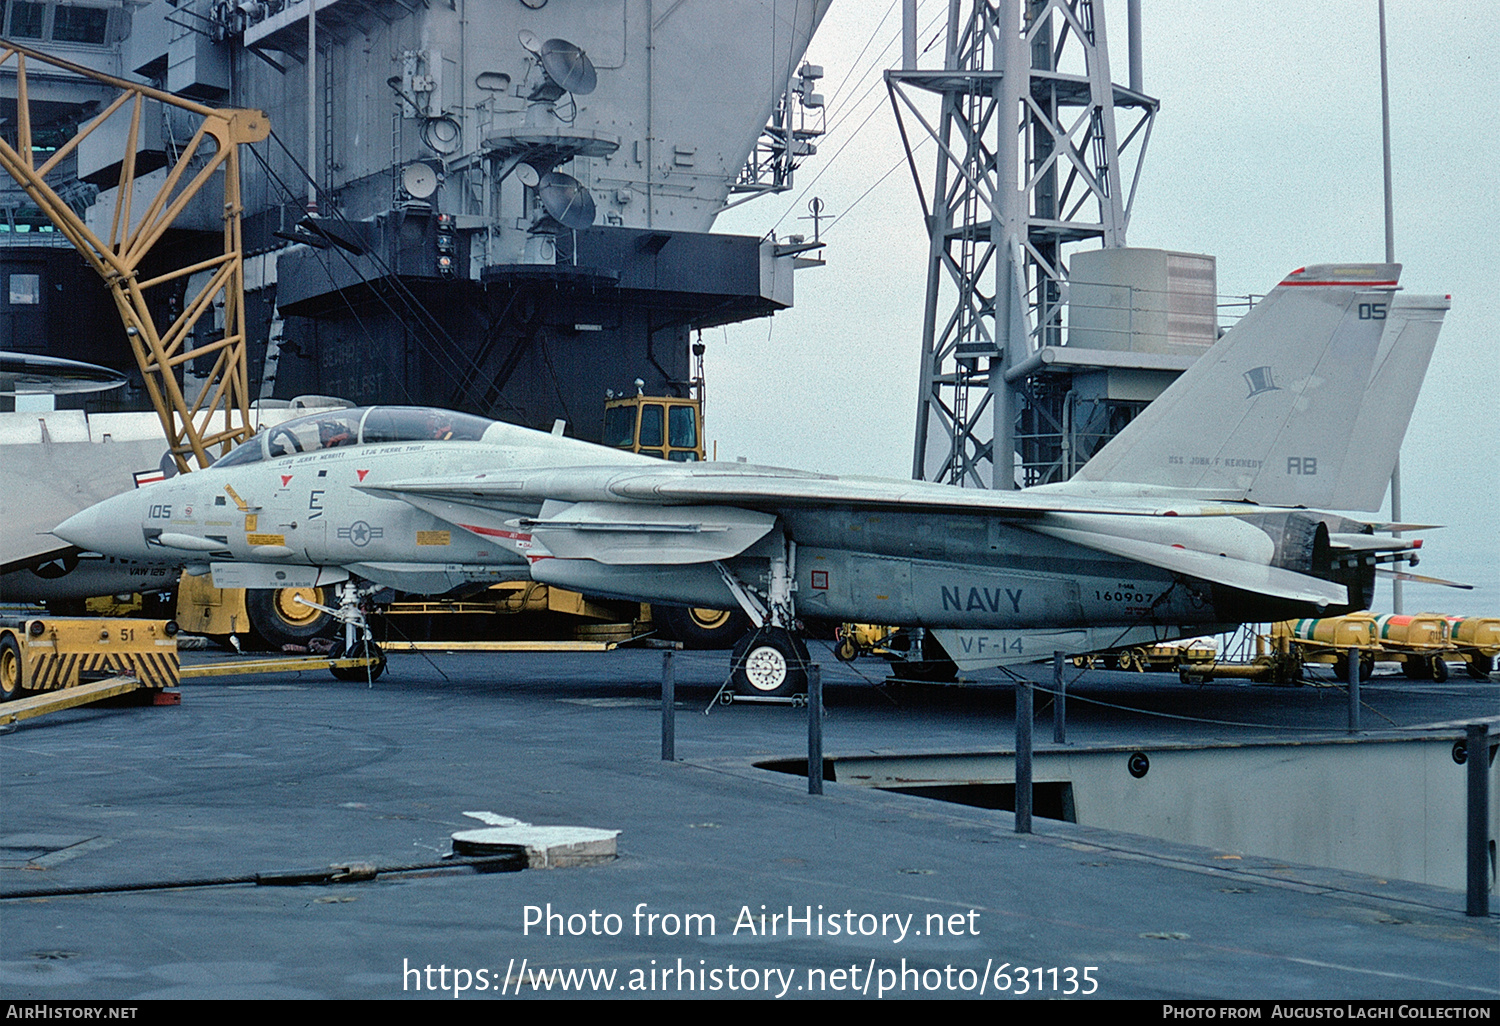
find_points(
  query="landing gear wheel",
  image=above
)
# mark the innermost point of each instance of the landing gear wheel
(280, 619)
(12, 669)
(361, 650)
(770, 662)
(701, 627)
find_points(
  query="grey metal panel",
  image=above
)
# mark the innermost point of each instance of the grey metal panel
(62, 478)
(1400, 365)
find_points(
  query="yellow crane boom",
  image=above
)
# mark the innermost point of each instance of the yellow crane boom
(218, 417)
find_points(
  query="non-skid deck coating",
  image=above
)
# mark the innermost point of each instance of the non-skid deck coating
(290, 773)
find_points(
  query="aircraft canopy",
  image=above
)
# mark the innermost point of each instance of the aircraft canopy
(375, 425)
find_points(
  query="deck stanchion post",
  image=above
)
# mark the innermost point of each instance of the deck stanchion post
(1023, 756)
(668, 708)
(814, 729)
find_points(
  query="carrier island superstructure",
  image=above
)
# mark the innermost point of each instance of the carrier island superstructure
(502, 206)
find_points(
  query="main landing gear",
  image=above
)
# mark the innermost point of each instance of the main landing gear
(769, 661)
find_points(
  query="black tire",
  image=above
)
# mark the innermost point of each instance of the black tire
(700, 627)
(359, 651)
(769, 662)
(1437, 669)
(1415, 669)
(1480, 666)
(845, 650)
(278, 619)
(12, 669)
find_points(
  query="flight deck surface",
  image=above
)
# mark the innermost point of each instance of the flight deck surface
(302, 771)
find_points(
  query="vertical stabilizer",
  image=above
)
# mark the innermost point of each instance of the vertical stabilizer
(1303, 403)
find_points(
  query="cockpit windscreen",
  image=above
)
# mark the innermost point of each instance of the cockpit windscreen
(331, 429)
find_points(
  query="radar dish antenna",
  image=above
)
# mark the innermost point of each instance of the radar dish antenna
(564, 67)
(566, 200)
(567, 65)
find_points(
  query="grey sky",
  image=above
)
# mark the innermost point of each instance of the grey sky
(1266, 154)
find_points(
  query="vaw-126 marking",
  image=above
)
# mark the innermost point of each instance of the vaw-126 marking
(1194, 519)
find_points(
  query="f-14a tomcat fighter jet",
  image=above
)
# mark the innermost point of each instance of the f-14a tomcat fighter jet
(1197, 517)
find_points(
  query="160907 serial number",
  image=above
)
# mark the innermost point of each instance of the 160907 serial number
(1123, 596)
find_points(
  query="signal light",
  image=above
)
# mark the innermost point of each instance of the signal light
(446, 246)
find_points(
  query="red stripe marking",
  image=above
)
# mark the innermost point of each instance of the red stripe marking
(1368, 284)
(495, 532)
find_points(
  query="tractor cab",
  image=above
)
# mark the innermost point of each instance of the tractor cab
(665, 427)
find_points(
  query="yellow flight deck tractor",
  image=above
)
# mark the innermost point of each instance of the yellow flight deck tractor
(52, 663)
(667, 427)
(1191, 660)
(277, 617)
(914, 654)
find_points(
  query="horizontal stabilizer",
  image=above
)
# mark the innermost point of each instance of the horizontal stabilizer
(1402, 575)
(1236, 573)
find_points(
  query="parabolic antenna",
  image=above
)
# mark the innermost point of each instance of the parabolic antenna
(419, 180)
(528, 175)
(567, 65)
(530, 40)
(566, 200)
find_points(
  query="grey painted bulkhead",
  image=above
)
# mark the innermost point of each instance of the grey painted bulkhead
(1387, 806)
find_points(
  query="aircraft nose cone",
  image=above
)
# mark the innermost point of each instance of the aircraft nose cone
(111, 527)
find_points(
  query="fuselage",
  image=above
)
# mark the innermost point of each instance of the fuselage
(309, 493)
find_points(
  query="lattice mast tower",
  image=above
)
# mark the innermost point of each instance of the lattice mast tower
(1029, 162)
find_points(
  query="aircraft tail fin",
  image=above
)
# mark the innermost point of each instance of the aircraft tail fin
(1303, 403)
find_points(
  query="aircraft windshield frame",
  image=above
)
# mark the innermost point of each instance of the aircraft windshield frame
(369, 425)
